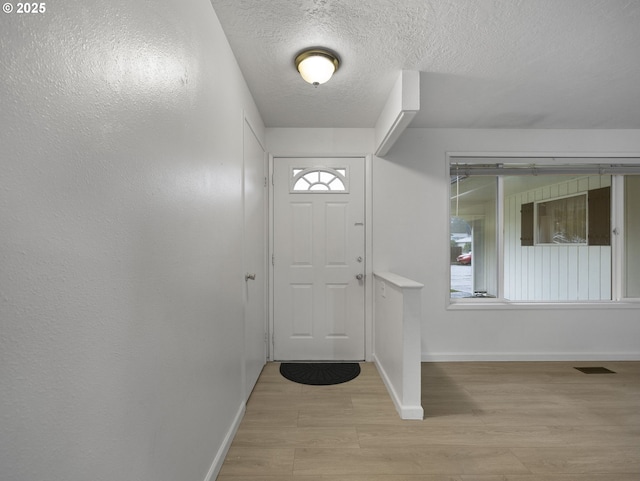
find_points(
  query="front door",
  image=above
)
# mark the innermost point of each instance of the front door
(318, 262)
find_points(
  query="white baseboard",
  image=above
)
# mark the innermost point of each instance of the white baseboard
(405, 411)
(412, 412)
(529, 356)
(387, 382)
(226, 444)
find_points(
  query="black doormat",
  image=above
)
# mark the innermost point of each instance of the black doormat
(320, 373)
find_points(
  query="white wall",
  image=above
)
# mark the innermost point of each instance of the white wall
(321, 142)
(396, 333)
(410, 238)
(121, 315)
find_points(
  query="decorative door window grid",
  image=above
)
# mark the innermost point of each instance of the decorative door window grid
(320, 180)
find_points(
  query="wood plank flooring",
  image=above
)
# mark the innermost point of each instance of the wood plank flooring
(507, 421)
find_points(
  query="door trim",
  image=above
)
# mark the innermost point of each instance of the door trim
(249, 122)
(369, 282)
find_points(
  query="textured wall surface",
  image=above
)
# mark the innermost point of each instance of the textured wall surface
(320, 142)
(120, 226)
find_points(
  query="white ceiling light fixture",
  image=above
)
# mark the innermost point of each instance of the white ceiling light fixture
(317, 65)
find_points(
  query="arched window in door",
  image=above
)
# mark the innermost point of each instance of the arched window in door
(323, 179)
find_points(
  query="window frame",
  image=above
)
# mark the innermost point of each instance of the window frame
(299, 173)
(630, 163)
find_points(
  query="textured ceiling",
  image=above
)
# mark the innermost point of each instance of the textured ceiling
(483, 63)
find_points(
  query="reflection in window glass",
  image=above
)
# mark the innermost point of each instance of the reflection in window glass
(562, 221)
(473, 237)
(632, 235)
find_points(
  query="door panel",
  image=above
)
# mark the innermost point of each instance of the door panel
(336, 238)
(336, 298)
(318, 252)
(255, 354)
(302, 315)
(302, 233)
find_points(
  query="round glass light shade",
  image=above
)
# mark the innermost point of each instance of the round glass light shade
(316, 67)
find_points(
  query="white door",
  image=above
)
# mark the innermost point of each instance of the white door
(254, 248)
(319, 265)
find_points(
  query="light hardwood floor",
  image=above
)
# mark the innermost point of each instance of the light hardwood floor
(527, 421)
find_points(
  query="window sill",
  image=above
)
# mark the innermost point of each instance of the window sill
(494, 304)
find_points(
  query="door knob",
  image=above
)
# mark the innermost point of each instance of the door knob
(359, 277)
(249, 276)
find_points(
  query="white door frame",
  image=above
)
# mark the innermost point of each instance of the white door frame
(368, 285)
(261, 283)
